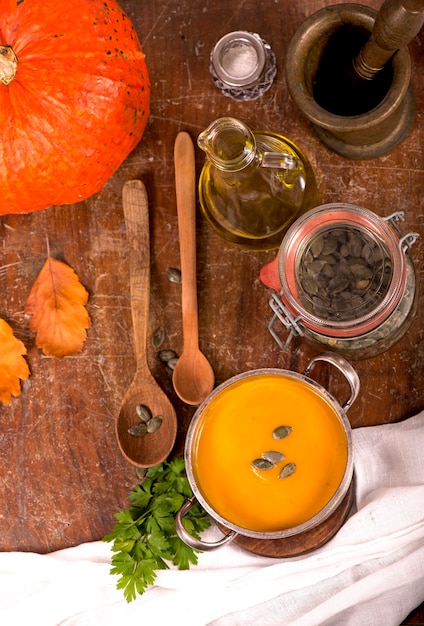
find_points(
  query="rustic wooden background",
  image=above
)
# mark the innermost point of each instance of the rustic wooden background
(62, 476)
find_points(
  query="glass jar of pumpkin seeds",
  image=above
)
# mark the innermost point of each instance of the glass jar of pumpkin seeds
(344, 279)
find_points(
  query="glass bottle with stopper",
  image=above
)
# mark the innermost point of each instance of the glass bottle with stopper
(254, 184)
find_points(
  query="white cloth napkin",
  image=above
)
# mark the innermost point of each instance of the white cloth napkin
(370, 574)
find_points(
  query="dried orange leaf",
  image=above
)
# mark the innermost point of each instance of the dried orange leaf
(13, 367)
(56, 304)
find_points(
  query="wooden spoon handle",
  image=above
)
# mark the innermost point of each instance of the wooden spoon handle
(136, 213)
(185, 185)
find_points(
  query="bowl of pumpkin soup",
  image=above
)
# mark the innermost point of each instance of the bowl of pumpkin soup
(269, 453)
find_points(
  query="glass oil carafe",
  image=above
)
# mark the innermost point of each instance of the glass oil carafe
(253, 185)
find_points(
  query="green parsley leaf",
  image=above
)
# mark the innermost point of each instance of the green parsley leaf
(183, 554)
(144, 538)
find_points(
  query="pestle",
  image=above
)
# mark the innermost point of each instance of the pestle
(396, 24)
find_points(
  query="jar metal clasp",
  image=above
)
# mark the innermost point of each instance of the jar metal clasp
(282, 314)
(294, 324)
(405, 241)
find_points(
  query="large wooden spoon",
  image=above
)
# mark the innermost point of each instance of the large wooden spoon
(193, 377)
(153, 447)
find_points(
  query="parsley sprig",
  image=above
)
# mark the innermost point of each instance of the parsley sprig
(144, 537)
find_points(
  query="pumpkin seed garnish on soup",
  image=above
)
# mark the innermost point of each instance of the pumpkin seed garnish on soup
(274, 456)
(287, 470)
(262, 464)
(270, 459)
(281, 432)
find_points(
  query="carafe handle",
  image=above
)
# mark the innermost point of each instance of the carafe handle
(279, 160)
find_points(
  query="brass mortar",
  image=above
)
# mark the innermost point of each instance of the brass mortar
(388, 102)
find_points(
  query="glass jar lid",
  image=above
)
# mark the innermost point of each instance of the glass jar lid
(238, 59)
(342, 269)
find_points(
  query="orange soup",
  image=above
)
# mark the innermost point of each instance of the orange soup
(240, 425)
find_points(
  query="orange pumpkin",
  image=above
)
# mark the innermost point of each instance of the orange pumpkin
(74, 99)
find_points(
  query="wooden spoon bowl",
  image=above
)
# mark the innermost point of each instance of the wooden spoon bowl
(193, 376)
(151, 448)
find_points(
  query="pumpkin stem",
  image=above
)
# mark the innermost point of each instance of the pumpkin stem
(8, 64)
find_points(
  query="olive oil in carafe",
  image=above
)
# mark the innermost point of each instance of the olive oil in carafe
(252, 188)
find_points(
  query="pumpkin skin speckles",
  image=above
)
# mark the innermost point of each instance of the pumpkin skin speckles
(77, 106)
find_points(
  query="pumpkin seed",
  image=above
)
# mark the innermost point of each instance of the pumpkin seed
(317, 246)
(158, 337)
(360, 270)
(141, 472)
(287, 470)
(273, 456)
(362, 284)
(308, 257)
(154, 424)
(328, 271)
(315, 267)
(281, 432)
(262, 464)
(310, 285)
(172, 362)
(330, 245)
(338, 283)
(355, 245)
(339, 233)
(346, 261)
(174, 275)
(329, 258)
(143, 412)
(166, 355)
(369, 253)
(138, 430)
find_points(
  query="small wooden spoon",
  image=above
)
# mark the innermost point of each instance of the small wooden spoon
(193, 377)
(152, 448)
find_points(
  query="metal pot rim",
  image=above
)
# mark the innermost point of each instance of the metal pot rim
(318, 518)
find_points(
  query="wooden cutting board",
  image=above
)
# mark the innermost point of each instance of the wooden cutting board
(62, 474)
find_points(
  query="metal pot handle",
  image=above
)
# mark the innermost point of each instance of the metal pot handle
(345, 368)
(198, 544)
